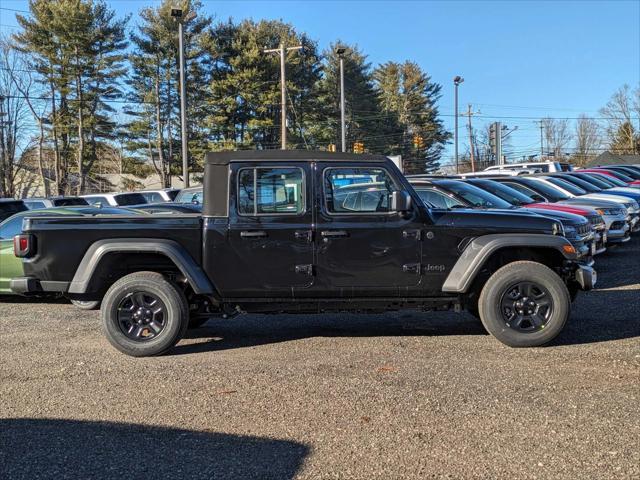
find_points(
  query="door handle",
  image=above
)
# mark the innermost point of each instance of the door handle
(253, 234)
(334, 234)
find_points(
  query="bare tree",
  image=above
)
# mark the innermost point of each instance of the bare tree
(619, 112)
(588, 139)
(557, 135)
(14, 118)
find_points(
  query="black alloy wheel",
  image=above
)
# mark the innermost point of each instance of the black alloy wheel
(526, 307)
(141, 316)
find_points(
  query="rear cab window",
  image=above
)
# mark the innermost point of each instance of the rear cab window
(271, 191)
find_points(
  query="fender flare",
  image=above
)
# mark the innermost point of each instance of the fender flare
(473, 257)
(171, 249)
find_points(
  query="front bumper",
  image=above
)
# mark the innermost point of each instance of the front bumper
(586, 277)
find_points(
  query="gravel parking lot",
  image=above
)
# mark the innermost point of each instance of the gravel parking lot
(406, 395)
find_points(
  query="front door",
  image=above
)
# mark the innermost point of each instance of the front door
(270, 233)
(363, 248)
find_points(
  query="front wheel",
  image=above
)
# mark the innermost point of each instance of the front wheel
(524, 304)
(143, 314)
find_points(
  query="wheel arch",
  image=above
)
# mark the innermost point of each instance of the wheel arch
(489, 252)
(131, 255)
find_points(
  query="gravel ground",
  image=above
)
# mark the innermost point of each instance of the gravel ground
(403, 395)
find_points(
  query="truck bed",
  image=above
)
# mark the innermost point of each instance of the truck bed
(61, 242)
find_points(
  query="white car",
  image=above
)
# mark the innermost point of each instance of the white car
(125, 199)
(539, 166)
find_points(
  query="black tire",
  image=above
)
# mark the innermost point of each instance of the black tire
(86, 304)
(197, 322)
(502, 316)
(140, 337)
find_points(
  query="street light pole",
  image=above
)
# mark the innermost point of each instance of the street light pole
(340, 51)
(177, 14)
(457, 80)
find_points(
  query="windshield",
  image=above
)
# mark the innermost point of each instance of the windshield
(612, 180)
(514, 197)
(629, 172)
(474, 195)
(551, 194)
(124, 199)
(620, 176)
(569, 187)
(597, 180)
(65, 202)
(572, 179)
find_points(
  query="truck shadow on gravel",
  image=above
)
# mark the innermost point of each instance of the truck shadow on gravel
(72, 449)
(255, 330)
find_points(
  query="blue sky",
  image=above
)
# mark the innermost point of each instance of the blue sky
(518, 58)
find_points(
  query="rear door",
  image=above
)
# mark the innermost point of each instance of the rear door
(364, 249)
(270, 229)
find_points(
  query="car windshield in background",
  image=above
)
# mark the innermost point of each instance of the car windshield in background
(474, 195)
(11, 207)
(189, 196)
(124, 199)
(612, 181)
(514, 197)
(620, 176)
(569, 187)
(66, 202)
(552, 194)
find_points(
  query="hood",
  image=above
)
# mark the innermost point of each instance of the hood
(577, 210)
(565, 217)
(593, 203)
(612, 198)
(496, 221)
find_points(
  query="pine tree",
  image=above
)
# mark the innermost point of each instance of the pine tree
(76, 48)
(408, 92)
(155, 90)
(244, 94)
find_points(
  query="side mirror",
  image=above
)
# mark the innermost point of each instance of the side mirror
(538, 198)
(400, 201)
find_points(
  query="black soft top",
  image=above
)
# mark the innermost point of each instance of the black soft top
(224, 158)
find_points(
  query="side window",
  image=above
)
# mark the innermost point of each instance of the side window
(437, 199)
(270, 191)
(357, 190)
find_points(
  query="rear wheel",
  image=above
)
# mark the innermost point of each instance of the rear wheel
(524, 304)
(86, 304)
(143, 314)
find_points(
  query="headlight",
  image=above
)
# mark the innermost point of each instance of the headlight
(557, 229)
(611, 211)
(570, 232)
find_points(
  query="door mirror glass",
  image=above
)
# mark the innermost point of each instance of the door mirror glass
(400, 201)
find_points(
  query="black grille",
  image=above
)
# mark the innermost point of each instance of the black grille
(595, 220)
(617, 226)
(584, 229)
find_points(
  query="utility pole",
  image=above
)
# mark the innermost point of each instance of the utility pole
(457, 80)
(177, 14)
(283, 90)
(471, 145)
(541, 141)
(340, 51)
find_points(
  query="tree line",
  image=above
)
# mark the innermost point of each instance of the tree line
(102, 94)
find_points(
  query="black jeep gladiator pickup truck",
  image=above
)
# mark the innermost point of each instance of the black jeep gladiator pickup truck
(283, 231)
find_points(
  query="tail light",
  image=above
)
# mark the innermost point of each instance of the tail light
(24, 245)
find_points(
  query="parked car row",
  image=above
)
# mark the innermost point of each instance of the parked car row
(594, 210)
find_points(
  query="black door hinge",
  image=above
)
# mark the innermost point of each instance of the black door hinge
(306, 235)
(417, 234)
(304, 269)
(414, 268)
